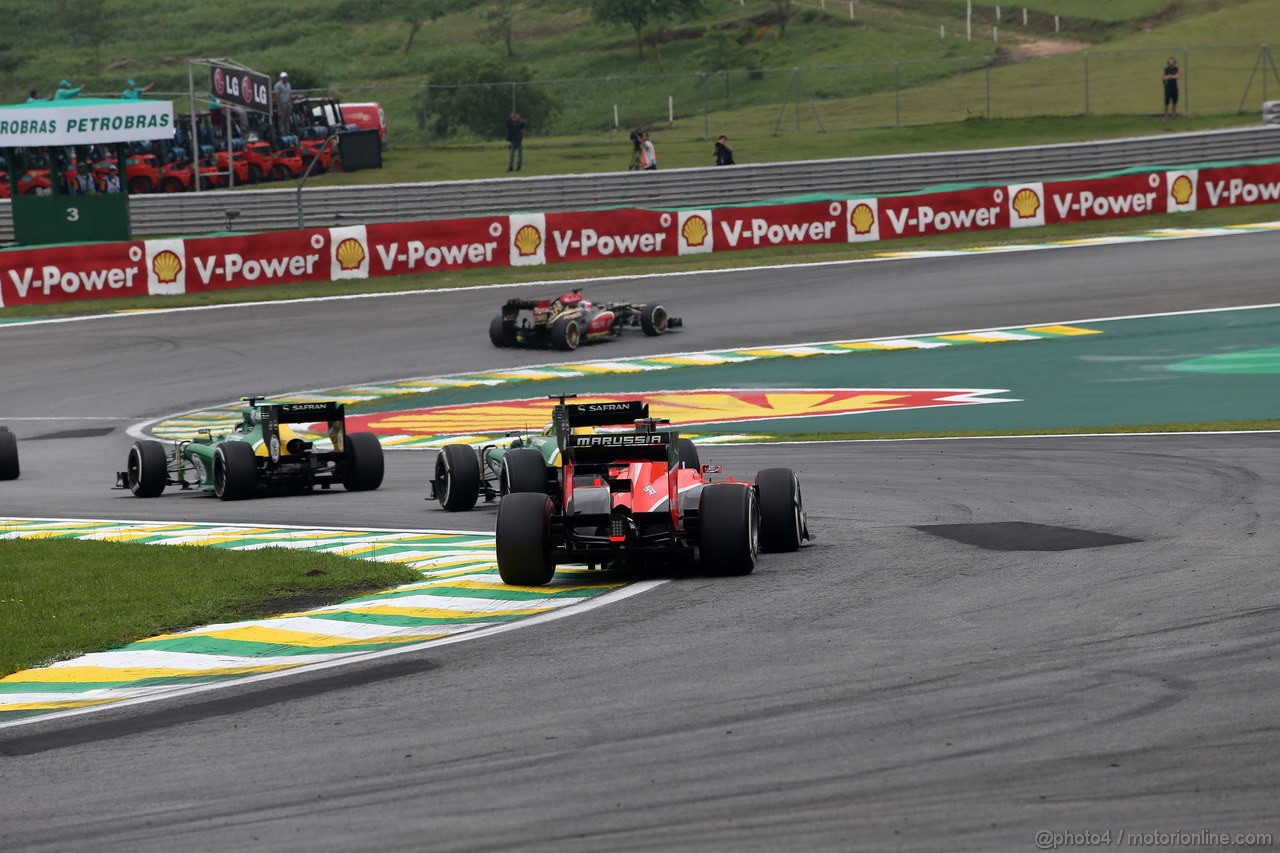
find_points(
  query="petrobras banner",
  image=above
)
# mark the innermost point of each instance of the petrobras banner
(626, 233)
(84, 121)
(451, 244)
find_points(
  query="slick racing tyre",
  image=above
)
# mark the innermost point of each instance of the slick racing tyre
(524, 540)
(688, 454)
(782, 523)
(147, 469)
(653, 320)
(502, 333)
(457, 477)
(523, 470)
(566, 333)
(364, 464)
(235, 471)
(9, 469)
(729, 538)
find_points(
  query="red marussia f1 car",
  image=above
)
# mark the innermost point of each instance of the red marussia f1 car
(570, 320)
(635, 498)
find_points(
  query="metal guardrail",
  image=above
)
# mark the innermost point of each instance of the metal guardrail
(275, 209)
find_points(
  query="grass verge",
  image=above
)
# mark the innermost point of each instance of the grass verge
(61, 598)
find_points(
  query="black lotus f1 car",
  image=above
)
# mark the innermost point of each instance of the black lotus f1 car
(570, 320)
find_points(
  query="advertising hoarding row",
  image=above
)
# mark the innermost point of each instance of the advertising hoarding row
(193, 265)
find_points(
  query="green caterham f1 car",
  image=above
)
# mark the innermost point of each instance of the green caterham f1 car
(526, 461)
(262, 450)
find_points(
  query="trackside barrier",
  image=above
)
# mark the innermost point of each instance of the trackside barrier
(193, 265)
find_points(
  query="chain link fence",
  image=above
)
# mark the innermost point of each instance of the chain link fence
(742, 103)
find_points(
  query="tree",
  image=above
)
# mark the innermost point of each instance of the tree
(783, 10)
(501, 27)
(637, 14)
(476, 96)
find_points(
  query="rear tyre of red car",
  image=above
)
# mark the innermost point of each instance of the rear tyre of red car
(524, 539)
(729, 537)
(781, 511)
(653, 320)
(235, 471)
(502, 333)
(457, 477)
(147, 469)
(139, 186)
(566, 333)
(687, 451)
(171, 185)
(523, 470)
(364, 463)
(9, 469)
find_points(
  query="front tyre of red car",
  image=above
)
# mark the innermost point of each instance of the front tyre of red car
(457, 477)
(524, 539)
(729, 537)
(782, 524)
(147, 469)
(235, 471)
(364, 464)
(653, 320)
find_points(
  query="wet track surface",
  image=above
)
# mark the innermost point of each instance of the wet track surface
(988, 639)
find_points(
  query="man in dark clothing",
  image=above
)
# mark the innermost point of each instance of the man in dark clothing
(515, 142)
(723, 152)
(1170, 78)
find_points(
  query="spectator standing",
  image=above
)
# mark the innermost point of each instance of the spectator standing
(132, 92)
(66, 92)
(1170, 78)
(648, 157)
(637, 138)
(284, 104)
(110, 182)
(84, 180)
(723, 152)
(515, 142)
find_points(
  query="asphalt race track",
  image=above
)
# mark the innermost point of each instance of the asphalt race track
(989, 639)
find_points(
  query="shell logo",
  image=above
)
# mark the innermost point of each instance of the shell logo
(527, 241)
(1026, 203)
(1181, 189)
(694, 231)
(350, 254)
(167, 266)
(862, 218)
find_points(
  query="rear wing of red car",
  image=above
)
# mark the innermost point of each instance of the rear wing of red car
(604, 414)
(614, 447)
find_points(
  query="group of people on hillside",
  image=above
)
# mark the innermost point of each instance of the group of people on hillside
(65, 92)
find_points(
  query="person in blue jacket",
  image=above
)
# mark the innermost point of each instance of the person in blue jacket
(132, 92)
(66, 92)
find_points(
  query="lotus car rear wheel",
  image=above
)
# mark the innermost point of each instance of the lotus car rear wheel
(566, 333)
(457, 477)
(781, 512)
(502, 333)
(147, 468)
(524, 539)
(364, 464)
(730, 535)
(235, 471)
